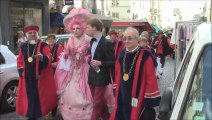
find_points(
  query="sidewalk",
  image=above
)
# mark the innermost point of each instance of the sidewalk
(168, 75)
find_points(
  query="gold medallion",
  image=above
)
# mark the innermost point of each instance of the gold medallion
(30, 59)
(125, 77)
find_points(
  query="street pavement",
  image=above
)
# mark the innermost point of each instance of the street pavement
(168, 74)
(167, 77)
(164, 81)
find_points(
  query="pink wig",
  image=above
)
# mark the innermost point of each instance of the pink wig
(76, 16)
(79, 21)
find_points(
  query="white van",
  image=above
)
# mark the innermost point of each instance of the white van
(190, 97)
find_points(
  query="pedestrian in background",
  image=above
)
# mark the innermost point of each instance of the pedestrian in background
(74, 93)
(118, 47)
(56, 50)
(120, 35)
(144, 44)
(36, 95)
(102, 60)
(21, 39)
(143, 41)
(137, 88)
(162, 48)
(113, 36)
(146, 35)
(117, 43)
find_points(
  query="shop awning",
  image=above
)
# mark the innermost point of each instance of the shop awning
(156, 28)
(143, 26)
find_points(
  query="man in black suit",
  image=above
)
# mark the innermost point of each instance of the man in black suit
(102, 59)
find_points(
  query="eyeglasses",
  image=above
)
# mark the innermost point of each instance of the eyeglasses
(129, 38)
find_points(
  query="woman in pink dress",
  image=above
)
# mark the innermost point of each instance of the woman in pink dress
(75, 100)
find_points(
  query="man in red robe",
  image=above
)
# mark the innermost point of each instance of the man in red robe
(36, 89)
(56, 49)
(137, 89)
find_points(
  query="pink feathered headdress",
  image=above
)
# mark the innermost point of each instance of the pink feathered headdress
(76, 16)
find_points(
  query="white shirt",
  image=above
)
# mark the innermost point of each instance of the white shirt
(94, 45)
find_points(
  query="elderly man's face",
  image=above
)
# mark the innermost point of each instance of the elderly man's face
(32, 35)
(130, 39)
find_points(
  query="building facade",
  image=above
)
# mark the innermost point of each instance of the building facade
(148, 10)
(15, 14)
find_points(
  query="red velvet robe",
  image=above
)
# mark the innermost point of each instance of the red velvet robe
(37, 99)
(56, 50)
(147, 83)
(59, 51)
(159, 49)
(119, 46)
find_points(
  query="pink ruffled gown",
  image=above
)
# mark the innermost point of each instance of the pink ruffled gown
(75, 97)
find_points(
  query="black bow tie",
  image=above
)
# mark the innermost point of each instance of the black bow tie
(93, 40)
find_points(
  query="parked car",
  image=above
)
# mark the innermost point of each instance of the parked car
(59, 38)
(190, 97)
(9, 79)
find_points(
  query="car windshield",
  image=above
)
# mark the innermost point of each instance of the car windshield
(199, 102)
(62, 40)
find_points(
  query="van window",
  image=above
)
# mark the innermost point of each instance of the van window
(2, 60)
(182, 72)
(199, 103)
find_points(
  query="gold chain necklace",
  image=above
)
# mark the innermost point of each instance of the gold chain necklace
(30, 59)
(126, 76)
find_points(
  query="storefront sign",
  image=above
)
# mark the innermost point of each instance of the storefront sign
(69, 2)
(129, 23)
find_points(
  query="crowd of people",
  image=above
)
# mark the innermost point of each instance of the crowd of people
(90, 73)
